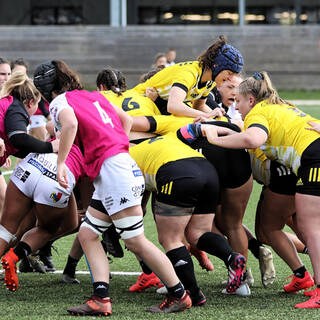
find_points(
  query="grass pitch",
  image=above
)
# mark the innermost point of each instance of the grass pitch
(45, 297)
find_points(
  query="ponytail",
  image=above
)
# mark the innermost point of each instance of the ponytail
(112, 80)
(66, 79)
(261, 88)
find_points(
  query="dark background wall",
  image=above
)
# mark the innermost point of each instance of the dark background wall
(290, 53)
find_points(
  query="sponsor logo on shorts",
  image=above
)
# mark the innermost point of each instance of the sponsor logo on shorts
(56, 196)
(138, 191)
(43, 170)
(21, 174)
(25, 176)
(18, 172)
(124, 200)
(108, 203)
(137, 173)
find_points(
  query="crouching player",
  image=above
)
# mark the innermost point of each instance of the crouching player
(33, 185)
(187, 192)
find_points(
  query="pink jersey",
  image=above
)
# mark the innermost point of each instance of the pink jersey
(75, 162)
(5, 102)
(100, 133)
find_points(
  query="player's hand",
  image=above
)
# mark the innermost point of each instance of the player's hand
(217, 113)
(2, 147)
(210, 132)
(62, 175)
(7, 164)
(314, 126)
(55, 145)
(152, 94)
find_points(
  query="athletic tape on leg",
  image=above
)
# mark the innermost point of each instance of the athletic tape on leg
(98, 226)
(129, 227)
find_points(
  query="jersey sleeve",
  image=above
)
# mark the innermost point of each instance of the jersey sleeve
(16, 121)
(256, 120)
(56, 106)
(185, 79)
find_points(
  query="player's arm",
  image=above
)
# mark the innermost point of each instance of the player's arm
(69, 126)
(126, 119)
(177, 107)
(200, 105)
(251, 138)
(141, 124)
(15, 124)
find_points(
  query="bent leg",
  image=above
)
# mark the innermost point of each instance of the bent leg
(276, 209)
(16, 206)
(308, 222)
(229, 221)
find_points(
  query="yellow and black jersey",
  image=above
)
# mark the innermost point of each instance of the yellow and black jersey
(185, 75)
(132, 103)
(151, 154)
(285, 126)
(164, 124)
(260, 166)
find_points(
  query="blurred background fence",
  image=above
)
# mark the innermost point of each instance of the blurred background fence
(279, 36)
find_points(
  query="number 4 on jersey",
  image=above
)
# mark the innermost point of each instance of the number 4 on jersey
(104, 116)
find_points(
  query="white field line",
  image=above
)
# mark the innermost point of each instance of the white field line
(115, 273)
(305, 102)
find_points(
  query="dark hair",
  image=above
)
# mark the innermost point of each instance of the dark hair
(18, 62)
(4, 61)
(150, 74)
(112, 79)
(66, 78)
(207, 57)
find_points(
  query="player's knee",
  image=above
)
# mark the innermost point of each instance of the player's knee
(96, 225)
(129, 227)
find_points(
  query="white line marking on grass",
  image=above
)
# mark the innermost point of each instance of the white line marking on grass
(306, 102)
(5, 173)
(114, 273)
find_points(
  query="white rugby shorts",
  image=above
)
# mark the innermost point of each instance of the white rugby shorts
(120, 183)
(35, 177)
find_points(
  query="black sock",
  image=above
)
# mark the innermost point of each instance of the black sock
(70, 268)
(183, 266)
(176, 291)
(300, 272)
(253, 246)
(22, 250)
(305, 250)
(216, 245)
(101, 289)
(145, 267)
(46, 249)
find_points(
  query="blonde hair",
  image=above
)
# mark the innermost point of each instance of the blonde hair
(20, 87)
(260, 87)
